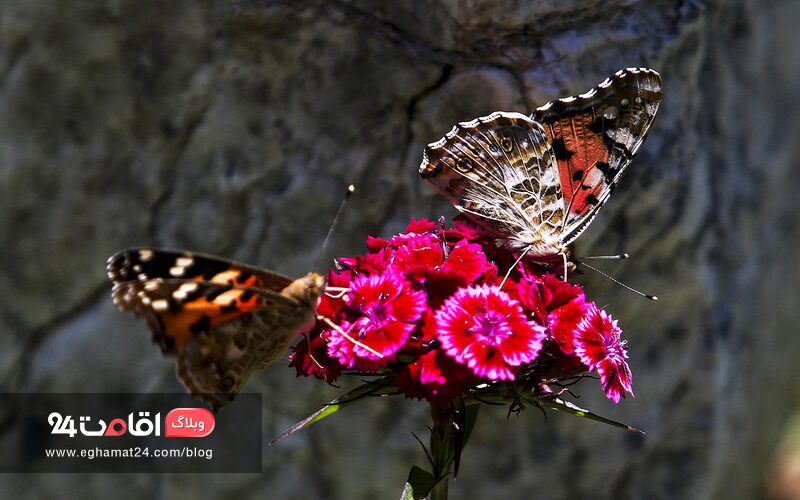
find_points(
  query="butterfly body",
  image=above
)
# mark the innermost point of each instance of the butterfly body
(537, 182)
(221, 319)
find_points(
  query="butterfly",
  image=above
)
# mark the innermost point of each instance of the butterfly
(221, 319)
(536, 182)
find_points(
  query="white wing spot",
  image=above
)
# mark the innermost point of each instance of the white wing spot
(227, 298)
(152, 285)
(610, 113)
(184, 261)
(160, 305)
(146, 255)
(622, 135)
(184, 290)
(177, 271)
(188, 287)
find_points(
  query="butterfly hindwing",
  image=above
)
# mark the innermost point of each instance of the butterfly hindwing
(499, 171)
(595, 136)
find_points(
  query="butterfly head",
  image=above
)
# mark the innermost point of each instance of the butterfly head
(307, 290)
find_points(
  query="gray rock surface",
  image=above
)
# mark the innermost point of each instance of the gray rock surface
(233, 127)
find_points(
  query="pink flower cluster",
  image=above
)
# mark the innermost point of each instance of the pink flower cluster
(431, 307)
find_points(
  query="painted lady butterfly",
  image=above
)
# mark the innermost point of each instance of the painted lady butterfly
(537, 182)
(223, 320)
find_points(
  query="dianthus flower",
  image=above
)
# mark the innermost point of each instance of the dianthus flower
(485, 329)
(598, 345)
(387, 310)
(433, 310)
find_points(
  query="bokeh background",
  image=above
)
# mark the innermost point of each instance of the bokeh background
(233, 127)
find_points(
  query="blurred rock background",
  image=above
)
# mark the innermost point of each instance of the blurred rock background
(233, 128)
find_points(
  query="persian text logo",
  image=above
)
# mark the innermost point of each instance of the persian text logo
(179, 422)
(189, 422)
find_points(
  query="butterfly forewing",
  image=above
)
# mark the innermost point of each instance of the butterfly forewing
(222, 320)
(595, 136)
(141, 264)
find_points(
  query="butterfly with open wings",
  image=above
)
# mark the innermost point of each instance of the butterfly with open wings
(537, 182)
(221, 319)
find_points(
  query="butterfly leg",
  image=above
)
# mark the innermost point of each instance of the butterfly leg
(308, 341)
(508, 273)
(338, 291)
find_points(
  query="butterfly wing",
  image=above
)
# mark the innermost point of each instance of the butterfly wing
(221, 329)
(595, 136)
(141, 264)
(499, 171)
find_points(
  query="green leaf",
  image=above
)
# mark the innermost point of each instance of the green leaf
(378, 387)
(465, 418)
(567, 407)
(420, 483)
(408, 492)
(472, 417)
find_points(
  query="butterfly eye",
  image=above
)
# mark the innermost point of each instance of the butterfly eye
(464, 165)
(507, 144)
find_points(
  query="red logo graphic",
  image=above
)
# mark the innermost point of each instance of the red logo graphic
(117, 427)
(189, 422)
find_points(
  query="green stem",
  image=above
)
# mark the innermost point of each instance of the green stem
(442, 451)
(439, 492)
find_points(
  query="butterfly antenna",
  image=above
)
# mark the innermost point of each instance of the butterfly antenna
(623, 285)
(619, 256)
(350, 190)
